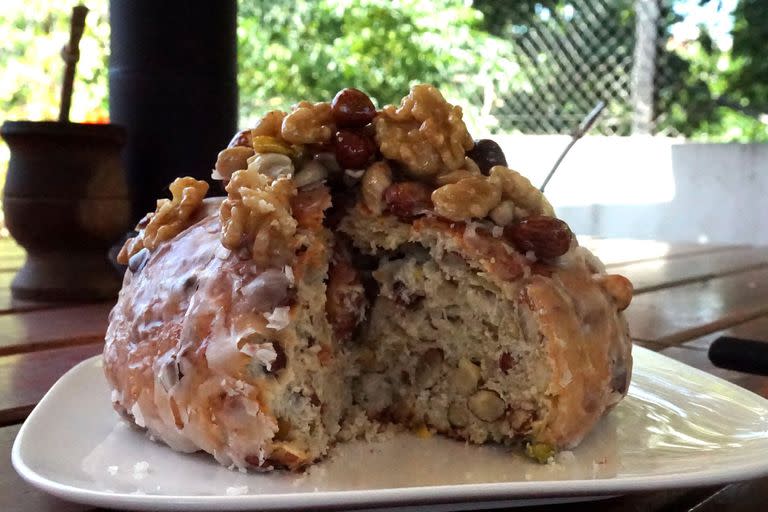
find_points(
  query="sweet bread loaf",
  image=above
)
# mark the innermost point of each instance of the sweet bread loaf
(365, 268)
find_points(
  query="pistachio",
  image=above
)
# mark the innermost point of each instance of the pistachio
(466, 376)
(486, 405)
(541, 452)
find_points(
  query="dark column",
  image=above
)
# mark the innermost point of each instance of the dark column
(173, 85)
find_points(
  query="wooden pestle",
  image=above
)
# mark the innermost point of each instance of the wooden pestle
(71, 54)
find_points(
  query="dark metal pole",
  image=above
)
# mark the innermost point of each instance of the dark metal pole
(173, 85)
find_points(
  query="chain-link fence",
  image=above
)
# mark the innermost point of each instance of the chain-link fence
(570, 58)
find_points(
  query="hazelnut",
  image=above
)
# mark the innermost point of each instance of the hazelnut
(619, 288)
(486, 405)
(466, 376)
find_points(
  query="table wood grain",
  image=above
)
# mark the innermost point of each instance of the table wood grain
(25, 378)
(674, 315)
(65, 326)
(652, 275)
(687, 295)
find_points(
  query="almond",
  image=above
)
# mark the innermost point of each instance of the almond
(547, 237)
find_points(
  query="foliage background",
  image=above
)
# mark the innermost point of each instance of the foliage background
(291, 50)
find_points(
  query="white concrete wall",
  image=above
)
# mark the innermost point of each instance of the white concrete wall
(652, 187)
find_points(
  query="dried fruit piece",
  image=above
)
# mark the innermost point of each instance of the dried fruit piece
(269, 144)
(353, 150)
(507, 362)
(408, 199)
(352, 108)
(487, 153)
(487, 405)
(547, 237)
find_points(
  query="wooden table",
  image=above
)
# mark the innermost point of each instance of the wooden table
(687, 295)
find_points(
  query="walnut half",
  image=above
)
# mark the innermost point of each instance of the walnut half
(171, 217)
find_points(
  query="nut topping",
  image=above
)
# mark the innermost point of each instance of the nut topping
(353, 150)
(487, 153)
(547, 237)
(407, 199)
(231, 160)
(352, 108)
(472, 197)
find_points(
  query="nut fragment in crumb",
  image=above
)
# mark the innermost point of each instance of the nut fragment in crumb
(256, 215)
(309, 123)
(466, 376)
(519, 190)
(171, 217)
(426, 133)
(377, 178)
(486, 405)
(429, 368)
(472, 197)
(458, 415)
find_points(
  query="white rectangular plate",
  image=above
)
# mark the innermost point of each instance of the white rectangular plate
(678, 427)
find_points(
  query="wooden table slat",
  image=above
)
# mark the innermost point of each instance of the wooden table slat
(695, 353)
(36, 330)
(620, 251)
(666, 273)
(675, 315)
(25, 378)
